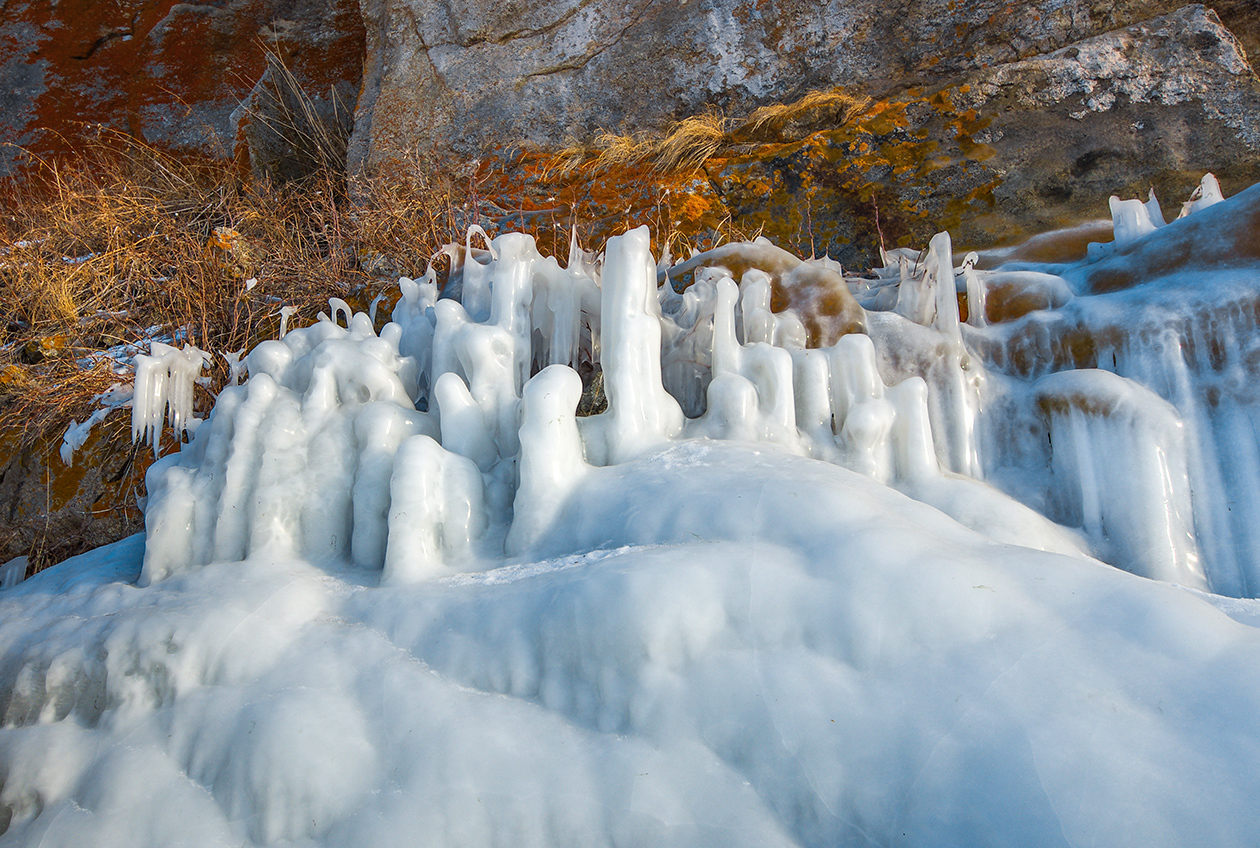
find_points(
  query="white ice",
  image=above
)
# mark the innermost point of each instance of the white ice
(932, 583)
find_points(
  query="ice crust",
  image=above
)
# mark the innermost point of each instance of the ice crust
(395, 591)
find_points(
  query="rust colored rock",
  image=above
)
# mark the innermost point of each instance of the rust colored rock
(51, 511)
(169, 73)
(818, 295)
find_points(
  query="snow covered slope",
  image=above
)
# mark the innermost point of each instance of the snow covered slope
(395, 592)
(813, 659)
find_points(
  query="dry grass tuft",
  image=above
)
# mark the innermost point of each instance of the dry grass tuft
(295, 134)
(785, 122)
(688, 144)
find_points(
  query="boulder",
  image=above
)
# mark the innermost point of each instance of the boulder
(994, 153)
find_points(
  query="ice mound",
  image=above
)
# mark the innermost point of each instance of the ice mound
(810, 659)
(849, 572)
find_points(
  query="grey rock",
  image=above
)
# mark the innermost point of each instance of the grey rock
(467, 76)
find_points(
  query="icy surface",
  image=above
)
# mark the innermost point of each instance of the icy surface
(762, 669)
(13, 572)
(925, 582)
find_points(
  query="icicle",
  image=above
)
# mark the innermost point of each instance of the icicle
(1130, 220)
(476, 276)
(976, 294)
(1207, 193)
(940, 264)
(916, 296)
(285, 313)
(376, 301)
(164, 388)
(1100, 422)
(339, 307)
(236, 368)
(511, 297)
(1153, 211)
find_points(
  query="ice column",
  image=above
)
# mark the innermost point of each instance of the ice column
(476, 276)
(976, 292)
(756, 373)
(436, 511)
(415, 317)
(552, 461)
(862, 413)
(379, 429)
(641, 414)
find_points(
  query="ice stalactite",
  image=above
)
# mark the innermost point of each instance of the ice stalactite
(164, 390)
(1118, 469)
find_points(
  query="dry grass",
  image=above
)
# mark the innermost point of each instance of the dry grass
(127, 243)
(687, 144)
(690, 143)
(785, 122)
(297, 135)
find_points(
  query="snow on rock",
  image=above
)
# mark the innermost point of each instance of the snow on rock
(395, 590)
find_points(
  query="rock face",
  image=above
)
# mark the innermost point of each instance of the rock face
(466, 74)
(171, 73)
(1018, 148)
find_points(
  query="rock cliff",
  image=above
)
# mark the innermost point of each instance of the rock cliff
(466, 73)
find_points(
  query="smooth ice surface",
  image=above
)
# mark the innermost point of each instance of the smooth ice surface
(667, 668)
(925, 582)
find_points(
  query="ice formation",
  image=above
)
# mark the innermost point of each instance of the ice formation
(851, 572)
(1081, 421)
(117, 396)
(164, 391)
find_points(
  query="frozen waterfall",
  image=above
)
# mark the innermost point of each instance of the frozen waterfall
(1070, 412)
